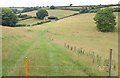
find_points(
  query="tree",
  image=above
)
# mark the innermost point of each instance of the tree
(41, 13)
(52, 7)
(9, 18)
(71, 4)
(105, 20)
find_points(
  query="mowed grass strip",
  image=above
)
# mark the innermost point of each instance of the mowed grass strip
(43, 56)
(46, 59)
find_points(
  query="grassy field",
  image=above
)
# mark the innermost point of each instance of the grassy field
(30, 21)
(45, 47)
(57, 13)
(0, 52)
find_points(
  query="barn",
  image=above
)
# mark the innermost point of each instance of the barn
(52, 18)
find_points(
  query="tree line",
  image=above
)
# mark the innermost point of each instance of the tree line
(104, 18)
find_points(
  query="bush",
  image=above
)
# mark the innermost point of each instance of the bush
(41, 13)
(105, 20)
(9, 18)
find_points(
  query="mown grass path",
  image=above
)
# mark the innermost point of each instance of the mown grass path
(46, 59)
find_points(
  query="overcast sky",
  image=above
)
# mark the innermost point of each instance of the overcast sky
(28, 3)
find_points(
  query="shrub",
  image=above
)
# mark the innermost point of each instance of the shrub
(105, 20)
(41, 13)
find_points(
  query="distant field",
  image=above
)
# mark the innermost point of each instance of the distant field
(57, 13)
(29, 21)
(115, 7)
(61, 13)
(45, 47)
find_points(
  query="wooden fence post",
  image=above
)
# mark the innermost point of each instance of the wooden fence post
(110, 63)
(26, 68)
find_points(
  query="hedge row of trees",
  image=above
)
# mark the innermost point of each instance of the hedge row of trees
(88, 9)
(105, 19)
(28, 9)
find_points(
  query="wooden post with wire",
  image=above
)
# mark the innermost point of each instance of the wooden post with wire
(26, 68)
(110, 63)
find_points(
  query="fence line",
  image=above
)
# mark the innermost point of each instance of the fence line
(106, 64)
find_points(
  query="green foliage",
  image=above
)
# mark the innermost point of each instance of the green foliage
(8, 17)
(41, 13)
(105, 20)
(52, 7)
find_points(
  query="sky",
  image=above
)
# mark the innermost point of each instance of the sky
(32, 3)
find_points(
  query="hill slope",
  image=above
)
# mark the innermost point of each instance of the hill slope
(45, 47)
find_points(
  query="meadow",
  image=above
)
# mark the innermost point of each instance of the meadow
(45, 46)
(30, 21)
(57, 13)
(0, 52)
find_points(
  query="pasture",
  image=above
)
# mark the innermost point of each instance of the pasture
(0, 51)
(57, 13)
(30, 21)
(45, 47)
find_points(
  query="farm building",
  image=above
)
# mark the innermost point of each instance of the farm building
(50, 18)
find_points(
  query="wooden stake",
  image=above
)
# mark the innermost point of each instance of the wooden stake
(26, 69)
(119, 66)
(110, 63)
